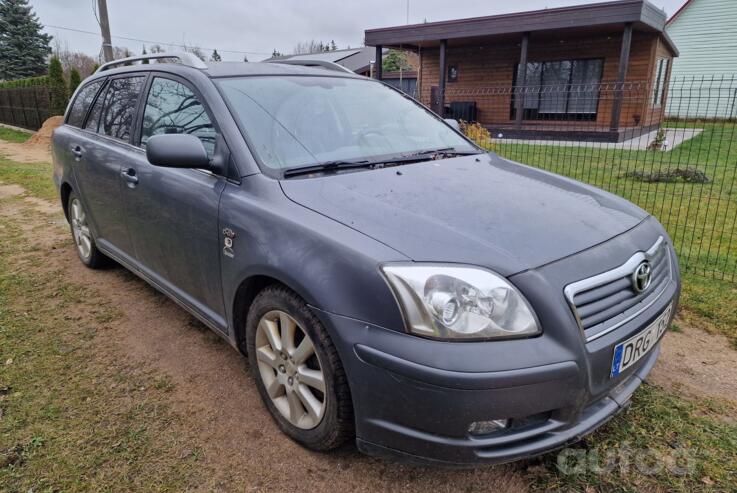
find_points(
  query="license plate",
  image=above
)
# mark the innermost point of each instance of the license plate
(627, 353)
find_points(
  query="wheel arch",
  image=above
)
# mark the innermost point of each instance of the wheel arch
(246, 292)
(65, 191)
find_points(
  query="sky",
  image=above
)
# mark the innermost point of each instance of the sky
(254, 29)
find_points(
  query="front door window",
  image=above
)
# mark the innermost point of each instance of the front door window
(172, 108)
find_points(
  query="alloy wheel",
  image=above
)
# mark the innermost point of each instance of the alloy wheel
(80, 229)
(290, 369)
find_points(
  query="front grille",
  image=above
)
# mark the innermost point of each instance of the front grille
(610, 299)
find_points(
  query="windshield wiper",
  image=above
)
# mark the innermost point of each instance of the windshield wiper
(330, 166)
(428, 154)
(326, 166)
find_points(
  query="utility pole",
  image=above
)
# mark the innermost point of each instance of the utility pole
(107, 44)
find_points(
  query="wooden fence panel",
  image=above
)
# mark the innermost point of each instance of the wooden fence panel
(26, 107)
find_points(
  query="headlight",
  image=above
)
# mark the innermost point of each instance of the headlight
(456, 302)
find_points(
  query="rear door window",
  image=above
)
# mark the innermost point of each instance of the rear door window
(119, 109)
(82, 103)
(172, 108)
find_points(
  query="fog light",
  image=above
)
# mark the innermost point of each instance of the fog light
(486, 427)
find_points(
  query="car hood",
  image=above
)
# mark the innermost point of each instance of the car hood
(480, 209)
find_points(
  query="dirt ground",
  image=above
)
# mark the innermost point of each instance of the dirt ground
(213, 390)
(215, 394)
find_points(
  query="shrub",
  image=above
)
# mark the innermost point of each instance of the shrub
(478, 133)
(42, 80)
(658, 142)
(74, 80)
(59, 96)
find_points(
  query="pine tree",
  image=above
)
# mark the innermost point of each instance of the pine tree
(333, 46)
(74, 80)
(23, 47)
(144, 53)
(215, 56)
(58, 87)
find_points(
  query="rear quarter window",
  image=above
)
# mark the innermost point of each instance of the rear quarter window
(82, 103)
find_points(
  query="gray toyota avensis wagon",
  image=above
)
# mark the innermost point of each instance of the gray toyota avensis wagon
(388, 280)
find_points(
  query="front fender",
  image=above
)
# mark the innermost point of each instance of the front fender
(331, 266)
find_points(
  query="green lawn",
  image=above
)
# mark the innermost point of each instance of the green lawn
(33, 177)
(701, 218)
(662, 443)
(10, 135)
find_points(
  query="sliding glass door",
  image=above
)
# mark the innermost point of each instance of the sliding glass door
(559, 90)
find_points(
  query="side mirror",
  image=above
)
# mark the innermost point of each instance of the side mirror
(177, 151)
(453, 123)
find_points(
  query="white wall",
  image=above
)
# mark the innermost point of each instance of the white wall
(706, 36)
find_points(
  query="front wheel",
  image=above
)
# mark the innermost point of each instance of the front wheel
(84, 242)
(297, 370)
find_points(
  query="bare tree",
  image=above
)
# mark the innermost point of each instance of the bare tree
(84, 64)
(121, 52)
(196, 51)
(310, 46)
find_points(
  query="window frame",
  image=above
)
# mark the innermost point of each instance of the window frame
(101, 94)
(103, 85)
(136, 137)
(660, 78)
(527, 114)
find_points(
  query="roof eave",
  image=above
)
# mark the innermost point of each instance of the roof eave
(670, 44)
(599, 14)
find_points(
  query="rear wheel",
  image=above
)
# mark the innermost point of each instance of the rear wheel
(297, 370)
(83, 240)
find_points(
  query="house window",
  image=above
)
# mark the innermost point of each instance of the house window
(559, 90)
(661, 72)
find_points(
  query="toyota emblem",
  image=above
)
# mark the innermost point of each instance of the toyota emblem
(642, 276)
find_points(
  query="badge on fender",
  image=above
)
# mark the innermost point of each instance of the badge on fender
(228, 235)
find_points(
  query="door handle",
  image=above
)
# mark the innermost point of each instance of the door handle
(129, 175)
(77, 151)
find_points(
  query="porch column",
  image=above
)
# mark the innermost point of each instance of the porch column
(441, 83)
(521, 81)
(624, 60)
(378, 62)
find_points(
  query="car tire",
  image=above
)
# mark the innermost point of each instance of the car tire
(84, 243)
(282, 379)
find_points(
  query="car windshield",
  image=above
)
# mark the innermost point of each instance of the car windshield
(298, 121)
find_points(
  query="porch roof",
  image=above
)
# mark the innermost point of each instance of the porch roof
(581, 19)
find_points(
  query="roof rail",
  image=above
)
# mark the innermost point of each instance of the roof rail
(314, 63)
(187, 59)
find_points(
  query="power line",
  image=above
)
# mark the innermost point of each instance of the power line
(150, 42)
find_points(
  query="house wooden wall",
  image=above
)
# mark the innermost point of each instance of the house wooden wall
(483, 67)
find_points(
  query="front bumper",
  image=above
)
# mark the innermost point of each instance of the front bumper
(415, 398)
(546, 432)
